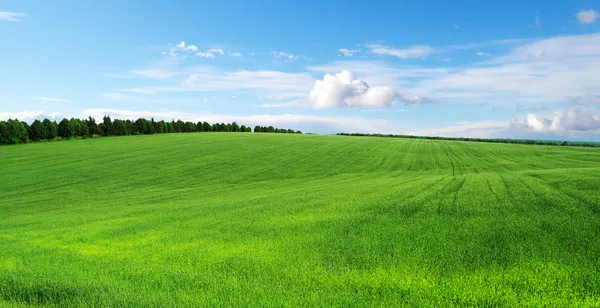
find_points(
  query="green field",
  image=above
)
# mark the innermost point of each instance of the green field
(213, 219)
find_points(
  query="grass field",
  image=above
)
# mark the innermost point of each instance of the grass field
(235, 219)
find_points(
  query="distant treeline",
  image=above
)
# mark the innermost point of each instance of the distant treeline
(15, 131)
(493, 140)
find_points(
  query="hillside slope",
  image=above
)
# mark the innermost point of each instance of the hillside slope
(262, 219)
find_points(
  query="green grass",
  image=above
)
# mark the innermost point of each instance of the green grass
(218, 219)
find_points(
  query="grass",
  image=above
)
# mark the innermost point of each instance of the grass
(216, 219)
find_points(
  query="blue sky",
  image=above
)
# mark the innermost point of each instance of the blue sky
(469, 68)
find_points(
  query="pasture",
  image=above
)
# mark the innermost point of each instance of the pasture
(217, 219)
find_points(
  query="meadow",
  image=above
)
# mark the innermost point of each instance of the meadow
(217, 219)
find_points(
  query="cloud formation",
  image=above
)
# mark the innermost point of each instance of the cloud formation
(29, 116)
(587, 16)
(348, 52)
(211, 53)
(12, 16)
(344, 90)
(417, 51)
(182, 48)
(568, 121)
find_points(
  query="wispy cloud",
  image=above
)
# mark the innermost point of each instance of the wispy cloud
(52, 99)
(211, 53)
(235, 54)
(348, 52)
(284, 56)
(587, 16)
(12, 16)
(417, 51)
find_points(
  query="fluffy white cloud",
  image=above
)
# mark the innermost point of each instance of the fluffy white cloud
(348, 52)
(12, 16)
(587, 16)
(182, 48)
(29, 116)
(417, 51)
(211, 53)
(344, 90)
(568, 121)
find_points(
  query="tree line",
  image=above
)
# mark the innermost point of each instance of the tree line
(493, 140)
(15, 131)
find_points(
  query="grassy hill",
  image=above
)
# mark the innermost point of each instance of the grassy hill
(213, 219)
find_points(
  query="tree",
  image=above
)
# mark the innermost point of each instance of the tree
(16, 132)
(51, 129)
(108, 130)
(120, 128)
(66, 129)
(92, 126)
(206, 127)
(170, 128)
(199, 127)
(243, 128)
(3, 133)
(235, 127)
(190, 127)
(37, 131)
(257, 129)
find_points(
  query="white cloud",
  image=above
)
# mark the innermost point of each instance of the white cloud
(279, 104)
(348, 52)
(480, 129)
(29, 116)
(587, 16)
(12, 16)
(284, 56)
(538, 21)
(235, 54)
(154, 73)
(182, 48)
(211, 53)
(482, 54)
(584, 99)
(52, 99)
(568, 121)
(546, 70)
(456, 26)
(417, 51)
(268, 82)
(344, 90)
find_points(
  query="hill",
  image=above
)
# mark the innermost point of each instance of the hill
(267, 219)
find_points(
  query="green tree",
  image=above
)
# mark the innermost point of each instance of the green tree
(108, 130)
(235, 127)
(37, 131)
(51, 129)
(92, 126)
(120, 127)
(3, 133)
(206, 127)
(66, 129)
